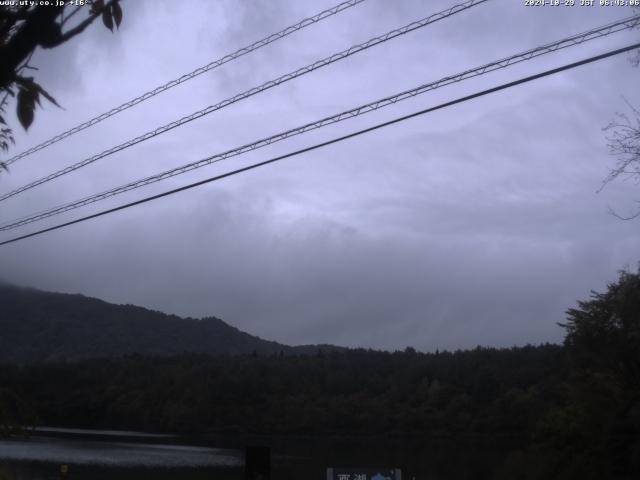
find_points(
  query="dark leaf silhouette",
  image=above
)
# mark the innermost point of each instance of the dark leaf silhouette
(107, 19)
(46, 95)
(26, 106)
(28, 96)
(117, 13)
(25, 28)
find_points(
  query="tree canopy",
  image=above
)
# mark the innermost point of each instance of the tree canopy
(604, 332)
(26, 26)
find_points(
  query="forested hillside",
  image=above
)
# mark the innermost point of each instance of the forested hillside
(43, 326)
(352, 392)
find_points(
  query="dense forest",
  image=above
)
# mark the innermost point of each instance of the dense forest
(567, 411)
(352, 392)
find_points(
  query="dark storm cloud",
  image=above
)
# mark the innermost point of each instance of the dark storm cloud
(477, 224)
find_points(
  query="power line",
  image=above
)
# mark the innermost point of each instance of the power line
(332, 141)
(184, 78)
(253, 91)
(354, 112)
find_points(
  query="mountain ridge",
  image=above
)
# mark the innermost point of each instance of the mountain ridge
(37, 325)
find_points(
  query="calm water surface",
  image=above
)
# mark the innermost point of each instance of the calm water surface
(40, 457)
(116, 454)
(110, 455)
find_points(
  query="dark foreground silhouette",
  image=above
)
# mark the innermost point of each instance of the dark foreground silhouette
(569, 411)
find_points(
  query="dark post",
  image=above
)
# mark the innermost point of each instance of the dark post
(257, 463)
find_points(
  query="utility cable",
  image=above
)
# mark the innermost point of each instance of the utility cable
(253, 91)
(354, 112)
(184, 78)
(332, 141)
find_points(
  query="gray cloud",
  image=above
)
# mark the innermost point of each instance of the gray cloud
(478, 224)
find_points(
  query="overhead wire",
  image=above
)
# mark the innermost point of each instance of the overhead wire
(252, 91)
(188, 76)
(330, 142)
(573, 40)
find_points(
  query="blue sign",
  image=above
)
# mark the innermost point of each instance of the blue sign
(364, 474)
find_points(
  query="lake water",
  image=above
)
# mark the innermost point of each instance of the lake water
(110, 455)
(40, 457)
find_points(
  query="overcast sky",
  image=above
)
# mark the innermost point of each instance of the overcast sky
(477, 224)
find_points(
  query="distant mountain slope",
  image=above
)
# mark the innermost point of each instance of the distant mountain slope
(39, 326)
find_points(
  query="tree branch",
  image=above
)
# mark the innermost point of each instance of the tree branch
(68, 17)
(33, 32)
(620, 217)
(84, 24)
